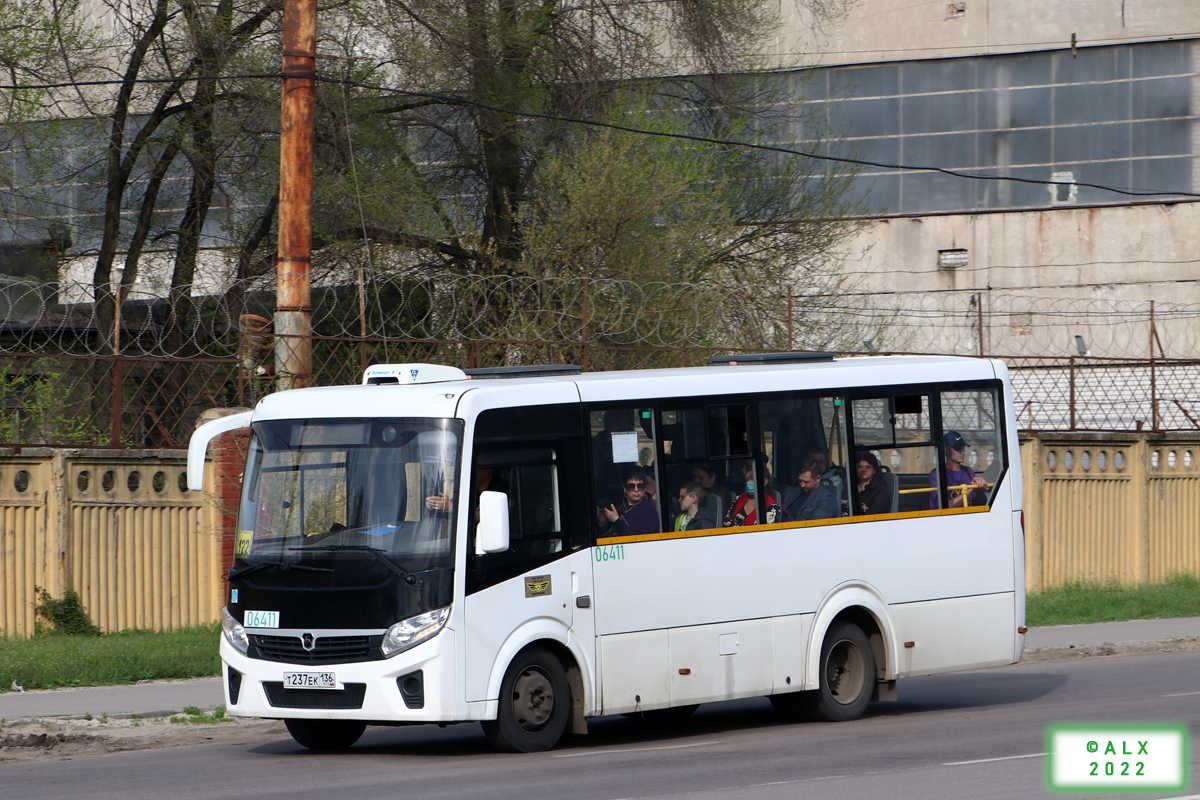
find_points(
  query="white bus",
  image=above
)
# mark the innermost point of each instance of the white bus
(507, 546)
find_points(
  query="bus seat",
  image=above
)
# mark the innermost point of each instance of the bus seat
(892, 481)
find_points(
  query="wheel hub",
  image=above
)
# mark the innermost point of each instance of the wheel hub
(845, 672)
(533, 699)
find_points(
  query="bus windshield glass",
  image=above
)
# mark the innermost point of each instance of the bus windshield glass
(320, 494)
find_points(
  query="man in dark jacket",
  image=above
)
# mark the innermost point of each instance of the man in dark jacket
(811, 499)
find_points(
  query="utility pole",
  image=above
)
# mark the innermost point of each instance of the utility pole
(293, 311)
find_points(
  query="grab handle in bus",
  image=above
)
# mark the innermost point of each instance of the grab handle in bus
(491, 535)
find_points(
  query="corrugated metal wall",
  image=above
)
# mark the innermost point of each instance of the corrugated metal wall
(119, 528)
(1102, 506)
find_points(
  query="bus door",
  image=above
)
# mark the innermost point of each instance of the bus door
(544, 579)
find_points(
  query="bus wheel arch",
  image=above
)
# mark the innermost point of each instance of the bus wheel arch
(535, 704)
(577, 723)
(861, 605)
(546, 636)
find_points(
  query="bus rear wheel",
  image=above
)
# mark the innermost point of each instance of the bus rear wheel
(535, 702)
(847, 675)
(325, 734)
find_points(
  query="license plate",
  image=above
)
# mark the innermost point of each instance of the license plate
(309, 680)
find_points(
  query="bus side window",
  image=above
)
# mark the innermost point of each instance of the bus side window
(971, 418)
(623, 448)
(897, 430)
(807, 433)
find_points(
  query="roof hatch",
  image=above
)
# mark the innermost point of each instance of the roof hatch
(411, 373)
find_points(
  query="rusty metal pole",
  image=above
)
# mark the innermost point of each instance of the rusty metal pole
(293, 312)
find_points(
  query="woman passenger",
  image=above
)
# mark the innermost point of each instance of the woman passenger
(745, 511)
(874, 495)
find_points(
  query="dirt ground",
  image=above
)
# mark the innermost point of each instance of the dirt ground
(28, 740)
(1186, 645)
(24, 741)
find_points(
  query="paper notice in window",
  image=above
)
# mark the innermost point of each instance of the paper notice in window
(625, 448)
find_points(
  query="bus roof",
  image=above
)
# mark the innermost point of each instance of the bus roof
(441, 398)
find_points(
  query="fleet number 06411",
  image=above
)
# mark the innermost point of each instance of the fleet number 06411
(614, 552)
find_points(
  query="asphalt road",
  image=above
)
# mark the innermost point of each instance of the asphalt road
(970, 735)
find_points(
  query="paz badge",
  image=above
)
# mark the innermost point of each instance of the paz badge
(537, 585)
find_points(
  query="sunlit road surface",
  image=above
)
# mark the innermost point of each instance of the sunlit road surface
(969, 735)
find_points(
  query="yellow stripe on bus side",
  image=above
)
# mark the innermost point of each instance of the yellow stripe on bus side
(779, 526)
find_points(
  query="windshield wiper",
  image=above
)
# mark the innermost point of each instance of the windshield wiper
(364, 548)
(337, 528)
(255, 566)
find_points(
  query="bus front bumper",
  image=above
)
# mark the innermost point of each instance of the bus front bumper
(365, 690)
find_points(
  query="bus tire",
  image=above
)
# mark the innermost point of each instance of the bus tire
(535, 704)
(847, 675)
(325, 734)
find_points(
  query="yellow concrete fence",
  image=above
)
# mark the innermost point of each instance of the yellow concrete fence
(118, 527)
(1110, 506)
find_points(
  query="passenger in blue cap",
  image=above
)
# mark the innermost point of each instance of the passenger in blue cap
(958, 474)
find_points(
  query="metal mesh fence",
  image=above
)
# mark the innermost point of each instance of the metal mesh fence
(61, 383)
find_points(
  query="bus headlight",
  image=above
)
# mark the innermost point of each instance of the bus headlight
(234, 631)
(414, 630)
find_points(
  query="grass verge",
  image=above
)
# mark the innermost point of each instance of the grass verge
(1075, 603)
(58, 660)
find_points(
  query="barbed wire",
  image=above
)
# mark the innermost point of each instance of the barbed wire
(212, 319)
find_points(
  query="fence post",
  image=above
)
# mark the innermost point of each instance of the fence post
(1032, 465)
(1153, 396)
(116, 401)
(1153, 374)
(1071, 368)
(979, 320)
(1139, 474)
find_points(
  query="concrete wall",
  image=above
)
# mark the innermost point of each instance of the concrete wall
(1119, 507)
(890, 30)
(1091, 271)
(118, 527)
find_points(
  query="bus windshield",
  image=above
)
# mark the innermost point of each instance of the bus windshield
(326, 495)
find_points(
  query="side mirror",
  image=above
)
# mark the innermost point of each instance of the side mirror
(491, 534)
(198, 446)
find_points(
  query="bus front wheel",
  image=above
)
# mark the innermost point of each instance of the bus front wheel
(535, 702)
(847, 673)
(325, 734)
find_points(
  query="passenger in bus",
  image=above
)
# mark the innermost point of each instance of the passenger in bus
(716, 497)
(486, 480)
(874, 495)
(831, 475)
(745, 509)
(810, 499)
(637, 513)
(958, 474)
(693, 514)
